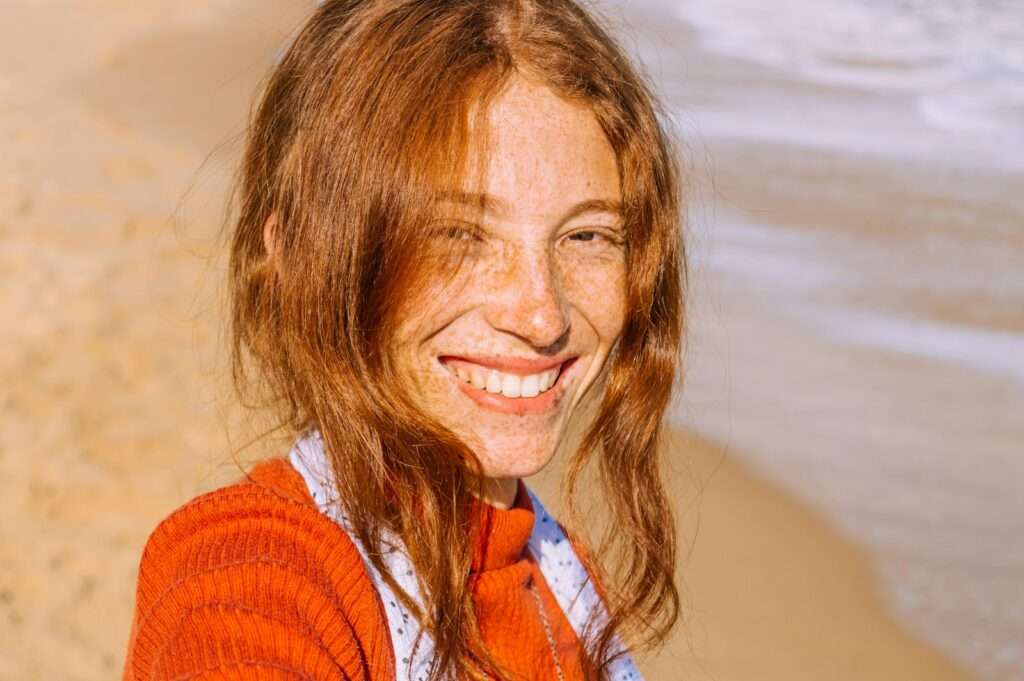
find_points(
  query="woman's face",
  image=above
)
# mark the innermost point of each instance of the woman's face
(503, 353)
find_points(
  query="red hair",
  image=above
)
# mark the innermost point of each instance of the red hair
(363, 121)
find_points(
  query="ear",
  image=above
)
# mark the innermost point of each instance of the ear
(269, 237)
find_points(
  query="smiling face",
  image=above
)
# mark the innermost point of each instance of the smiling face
(503, 352)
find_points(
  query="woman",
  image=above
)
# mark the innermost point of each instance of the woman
(457, 243)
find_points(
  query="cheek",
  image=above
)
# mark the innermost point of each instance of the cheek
(432, 304)
(597, 287)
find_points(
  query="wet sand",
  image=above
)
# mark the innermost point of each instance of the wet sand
(118, 407)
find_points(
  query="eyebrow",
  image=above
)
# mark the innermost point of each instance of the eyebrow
(493, 204)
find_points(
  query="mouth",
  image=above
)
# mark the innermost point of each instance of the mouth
(512, 390)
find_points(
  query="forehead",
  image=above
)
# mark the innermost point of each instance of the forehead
(542, 156)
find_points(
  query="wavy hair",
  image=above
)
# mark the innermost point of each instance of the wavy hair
(366, 116)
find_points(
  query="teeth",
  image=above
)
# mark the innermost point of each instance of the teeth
(547, 379)
(509, 385)
(494, 382)
(531, 386)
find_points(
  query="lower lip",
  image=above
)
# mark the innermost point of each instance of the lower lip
(517, 406)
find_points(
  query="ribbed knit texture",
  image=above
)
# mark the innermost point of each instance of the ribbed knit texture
(252, 581)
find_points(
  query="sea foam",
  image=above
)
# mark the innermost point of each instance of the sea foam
(961, 61)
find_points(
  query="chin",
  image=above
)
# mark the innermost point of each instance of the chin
(514, 461)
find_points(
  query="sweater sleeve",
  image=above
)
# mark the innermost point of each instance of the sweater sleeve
(246, 583)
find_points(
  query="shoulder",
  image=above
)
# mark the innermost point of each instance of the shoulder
(254, 569)
(264, 518)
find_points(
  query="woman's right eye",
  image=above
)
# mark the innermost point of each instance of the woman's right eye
(456, 233)
(455, 241)
(460, 234)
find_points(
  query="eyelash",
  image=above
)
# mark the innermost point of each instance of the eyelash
(457, 233)
(612, 239)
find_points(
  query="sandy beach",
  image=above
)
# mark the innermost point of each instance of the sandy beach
(846, 447)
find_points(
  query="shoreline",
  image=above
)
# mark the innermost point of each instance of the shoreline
(855, 322)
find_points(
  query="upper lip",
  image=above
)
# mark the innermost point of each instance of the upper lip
(513, 365)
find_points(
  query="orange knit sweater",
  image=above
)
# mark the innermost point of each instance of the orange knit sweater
(252, 581)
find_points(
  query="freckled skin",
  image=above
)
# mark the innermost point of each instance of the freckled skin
(533, 285)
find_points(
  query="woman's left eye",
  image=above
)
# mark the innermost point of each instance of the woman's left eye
(595, 236)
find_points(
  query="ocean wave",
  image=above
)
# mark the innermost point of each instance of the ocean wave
(963, 60)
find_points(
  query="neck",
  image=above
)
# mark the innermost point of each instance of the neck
(499, 492)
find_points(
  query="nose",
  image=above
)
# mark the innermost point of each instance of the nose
(528, 300)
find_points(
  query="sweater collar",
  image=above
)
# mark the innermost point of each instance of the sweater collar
(504, 533)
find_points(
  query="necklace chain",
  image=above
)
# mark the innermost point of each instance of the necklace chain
(547, 629)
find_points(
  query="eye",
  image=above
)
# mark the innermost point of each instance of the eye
(455, 242)
(462, 234)
(605, 237)
(455, 232)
